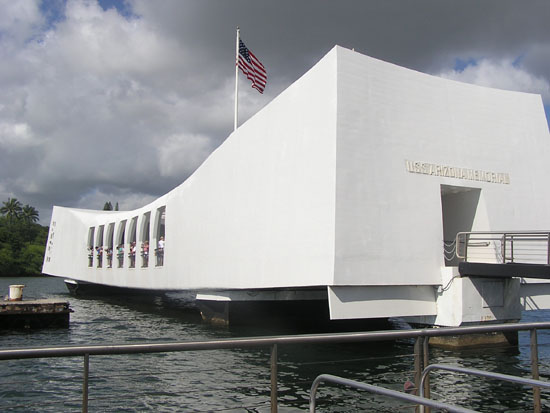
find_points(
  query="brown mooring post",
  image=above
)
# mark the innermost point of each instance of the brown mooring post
(274, 378)
(537, 408)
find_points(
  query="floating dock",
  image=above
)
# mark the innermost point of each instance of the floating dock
(34, 314)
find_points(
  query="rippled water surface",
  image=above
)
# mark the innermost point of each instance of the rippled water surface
(231, 380)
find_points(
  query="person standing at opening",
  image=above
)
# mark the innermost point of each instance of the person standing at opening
(160, 251)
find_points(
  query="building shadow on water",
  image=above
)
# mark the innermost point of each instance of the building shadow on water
(245, 318)
(171, 306)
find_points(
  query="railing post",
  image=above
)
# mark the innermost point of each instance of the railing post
(535, 370)
(426, 362)
(503, 248)
(418, 368)
(466, 241)
(274, 378)
(85, 383)
(511, 248)
(548, 249)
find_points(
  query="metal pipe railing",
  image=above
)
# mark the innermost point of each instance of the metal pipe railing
(426, 358)
(271, 341)
(536, 245)
(390, 335)
(381, 391)
(274, 388)
(537, 408)
(85, 383)
(481, 373)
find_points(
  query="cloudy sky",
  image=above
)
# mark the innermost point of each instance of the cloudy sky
(122, 100)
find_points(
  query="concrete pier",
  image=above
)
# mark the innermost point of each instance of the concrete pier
(493, 339)
(34, 314)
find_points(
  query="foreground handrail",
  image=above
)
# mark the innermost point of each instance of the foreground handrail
(536, 384)
(273, 341)
(481, 373)
(382, 391)
(78, 350)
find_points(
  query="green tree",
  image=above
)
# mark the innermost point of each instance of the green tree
(31, 259)
(108, 206)
(40, 236)
(8, 266)
(29, 214)
(22, 240)
(12, 208)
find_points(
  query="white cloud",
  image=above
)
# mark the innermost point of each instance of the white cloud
(96, 199)
(19, 20)
(101, 100)
(502, 74)
(15, 136)
(100, 42)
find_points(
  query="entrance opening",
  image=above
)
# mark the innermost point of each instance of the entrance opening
(459, 206)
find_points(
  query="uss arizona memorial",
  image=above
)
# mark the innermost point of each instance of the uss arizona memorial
(349, 190)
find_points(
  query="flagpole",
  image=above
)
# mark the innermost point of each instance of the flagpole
(237, 80)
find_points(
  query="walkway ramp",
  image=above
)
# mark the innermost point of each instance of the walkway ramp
(508, 270)
(507, 255)
(504, 254)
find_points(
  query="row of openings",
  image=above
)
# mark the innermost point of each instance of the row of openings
(125, 247)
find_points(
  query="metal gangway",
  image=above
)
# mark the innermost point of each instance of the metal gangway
(501, 254)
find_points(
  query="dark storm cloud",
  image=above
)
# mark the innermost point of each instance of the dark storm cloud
(293, 35)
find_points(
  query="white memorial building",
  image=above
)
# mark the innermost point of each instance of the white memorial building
(348, 189)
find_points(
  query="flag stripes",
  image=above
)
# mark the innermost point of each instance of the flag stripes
(252, 68)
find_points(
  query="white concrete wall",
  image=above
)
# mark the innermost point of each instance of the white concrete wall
(67, 254)
(388, 220)
(258, 213)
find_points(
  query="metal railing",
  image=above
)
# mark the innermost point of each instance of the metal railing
(449, 250)
(421, 349)
(159, 254)
(132, 256)
(411, 398)
(536, 384)
(530, 247)
(120, 258)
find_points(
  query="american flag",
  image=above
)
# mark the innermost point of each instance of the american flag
(252, 68)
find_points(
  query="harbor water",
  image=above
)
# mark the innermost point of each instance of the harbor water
(233, 380)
